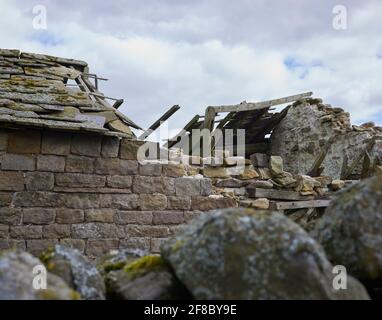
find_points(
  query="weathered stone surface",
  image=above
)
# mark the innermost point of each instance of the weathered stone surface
(64, 215)
(119, 181)
(56, 231)
(18, 162)
(179, 203)
(38, 215)
(76, 270)
(80, 200)
(11, 181)
(24, 141)
(86, 145)
(306, 183)
(77, 244)
(260, 160)
(147, 278)
(215, 172)
(143, 184)
(264, 184)
(79, 164)
(51, 163)
(110, 147)
(16, 279)
(39, 181)
(37, 199)
(174, 170)
(142, 243)
(206, 187)
(79, 180)
(57, 143)
(94, 230)
(5, 199)
(37, 247)
(115, 166)
(187, 186)
(134, 217)
(121, 201)
(351, 229)
(10, 216)
(99, 215)
(168, 217)
(248, 173)
(276, 165)
(150, 169)
(285, 179)
(211, 202)
(26, 232)
(156, 243)
(264, 173)
(324, 181)
(132, 230)
(4, 231)
(3, 140)
(244, 254)
(337, 185)
(96, 248)
(230, 183)
(129, 149)
(152, 201)
(260, 203)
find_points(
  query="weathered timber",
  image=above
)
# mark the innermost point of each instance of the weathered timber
(276, 194)
(273, 205)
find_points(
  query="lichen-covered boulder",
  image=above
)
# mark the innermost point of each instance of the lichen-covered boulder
(76, 270)
(247, 254)
(16, 279)
(351, 229)
(145, 278)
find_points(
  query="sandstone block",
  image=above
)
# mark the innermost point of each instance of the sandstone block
(64, 215)
(115, 166)
(80, 180)
(187, 186)
(119, 181)
(145, 184)
(205, 187)
(86, 145)
(26, 232)
(5, 199)
(78, 244)
(10, 216)
(4, 231)
(96, 248)
(179, 203)
(37, 199)
(155, 244)
(132, 230)
(211, 203)
(37, 247)
(110, 147)
(168, 217)
(18, 162)
(57, 143)
(81, 200)
(99, 215)
(24, 141)
(261, 203)
(11, 181)
(93, 230)
(134, 217)
(120, 201)
(79, 164)
(129, 148)
(36, 181)
(150, 169)
(276, 165)
(142, 243)
(56, 231)
(38, 216)
(152, 201)
(6, 244)
(50, 163)
(215, 172)
(174, 170)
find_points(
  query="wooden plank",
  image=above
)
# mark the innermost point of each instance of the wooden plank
(246, 106)
(298, 204)
(158, 123)
(276, 194)
(314, 170)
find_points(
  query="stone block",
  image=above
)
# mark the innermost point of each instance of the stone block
(205, 187)
(35, 181)
(216, 172)
(120, 201)
(187, 186)
(50, 163)
(110, 147)
(26, 232)
(211, 203)
(24, 141)
(117, 181)
(37, 199)
(259, 160)
(17, 162)
(3, 140)
(168, 217)
(96, 248)
(115, 166)
(37, 247)
(78, 244)
(4, 231)
(142, 243)
(56, 231)
(150, 169)
(95, 230)
(79, 180)
(81, 200)
(57, 143)
(155, 244)
(129, 148)
(132, 230)
(134, 217)
(64, 215)
(86, 145)
(152, 201)
(38, 216)
(5, 199)
(145, 184)
(99, 215)
(174, 170)
(6, 244)
(179, 203)
(10, 216)
(11, 181)
(79, 164)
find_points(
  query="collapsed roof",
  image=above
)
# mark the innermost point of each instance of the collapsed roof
(35, 91)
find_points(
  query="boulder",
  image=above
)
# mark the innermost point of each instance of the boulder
(248, 254)
(351, 229)
(337, 185)
(145, 278)
(16, 279)
(76, 270)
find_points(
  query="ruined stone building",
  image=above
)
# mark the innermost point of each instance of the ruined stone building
(70, 174)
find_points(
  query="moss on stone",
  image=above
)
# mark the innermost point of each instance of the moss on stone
(143, 265)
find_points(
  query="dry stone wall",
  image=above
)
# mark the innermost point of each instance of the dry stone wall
(90, 192)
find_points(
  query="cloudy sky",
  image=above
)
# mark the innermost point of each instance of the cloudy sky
(199, 53)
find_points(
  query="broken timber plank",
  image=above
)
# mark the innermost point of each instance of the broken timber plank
(276, 194)
(315, 168)
(298, 204)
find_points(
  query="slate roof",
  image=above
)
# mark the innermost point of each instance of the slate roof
(35, 92)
